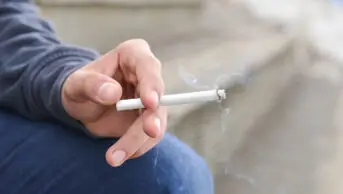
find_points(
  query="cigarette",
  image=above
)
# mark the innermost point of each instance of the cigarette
(175, 99)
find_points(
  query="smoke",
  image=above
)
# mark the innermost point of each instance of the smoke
(192, 80)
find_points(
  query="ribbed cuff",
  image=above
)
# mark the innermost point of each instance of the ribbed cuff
(62, 64)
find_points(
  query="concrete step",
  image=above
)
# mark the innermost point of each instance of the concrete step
(204, 126)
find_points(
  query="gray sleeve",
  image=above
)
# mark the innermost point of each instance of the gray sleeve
(34, 63)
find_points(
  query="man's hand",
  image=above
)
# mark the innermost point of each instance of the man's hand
(90, 93)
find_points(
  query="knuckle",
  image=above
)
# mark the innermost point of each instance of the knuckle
(155, 62)
(137, 41)
(133, 44)
(153, 80)
(162, 85)
(149, 59)
(99, 133)
(140, 41)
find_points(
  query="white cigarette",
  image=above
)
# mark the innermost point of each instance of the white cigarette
(175, 99)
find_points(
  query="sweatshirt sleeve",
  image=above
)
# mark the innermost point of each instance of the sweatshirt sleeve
(34, 63)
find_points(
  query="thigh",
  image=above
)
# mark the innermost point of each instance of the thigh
(38, 157)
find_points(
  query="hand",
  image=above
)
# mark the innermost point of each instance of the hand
(90, 93)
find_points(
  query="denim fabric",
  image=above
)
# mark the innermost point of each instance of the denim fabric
(43, 157)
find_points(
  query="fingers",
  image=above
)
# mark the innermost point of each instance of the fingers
(162, 114)
(151, 123)
(86, 85)
(135, 142)
(154, 122)
(127, 145)
(107, 64)
(136, 56)
(151, 143)
(150, 82)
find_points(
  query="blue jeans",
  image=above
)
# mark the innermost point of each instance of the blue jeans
(43, 157)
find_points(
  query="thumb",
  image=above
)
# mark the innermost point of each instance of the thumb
(88, 85)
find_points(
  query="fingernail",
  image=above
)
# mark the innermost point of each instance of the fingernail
(157, 123)
(107, 92)
(155, 98)
(118, 157)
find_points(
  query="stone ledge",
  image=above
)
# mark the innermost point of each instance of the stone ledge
(103, 27)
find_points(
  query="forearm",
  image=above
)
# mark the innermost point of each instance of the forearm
(34, 63)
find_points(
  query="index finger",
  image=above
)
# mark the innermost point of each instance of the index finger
(150, 82)
(137, 57)
(127, 145)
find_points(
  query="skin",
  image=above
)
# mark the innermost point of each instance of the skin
(90, 94)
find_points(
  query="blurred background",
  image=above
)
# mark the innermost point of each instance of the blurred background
(281, 130)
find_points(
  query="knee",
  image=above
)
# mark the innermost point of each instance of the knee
(171, 167)
(179, 169)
